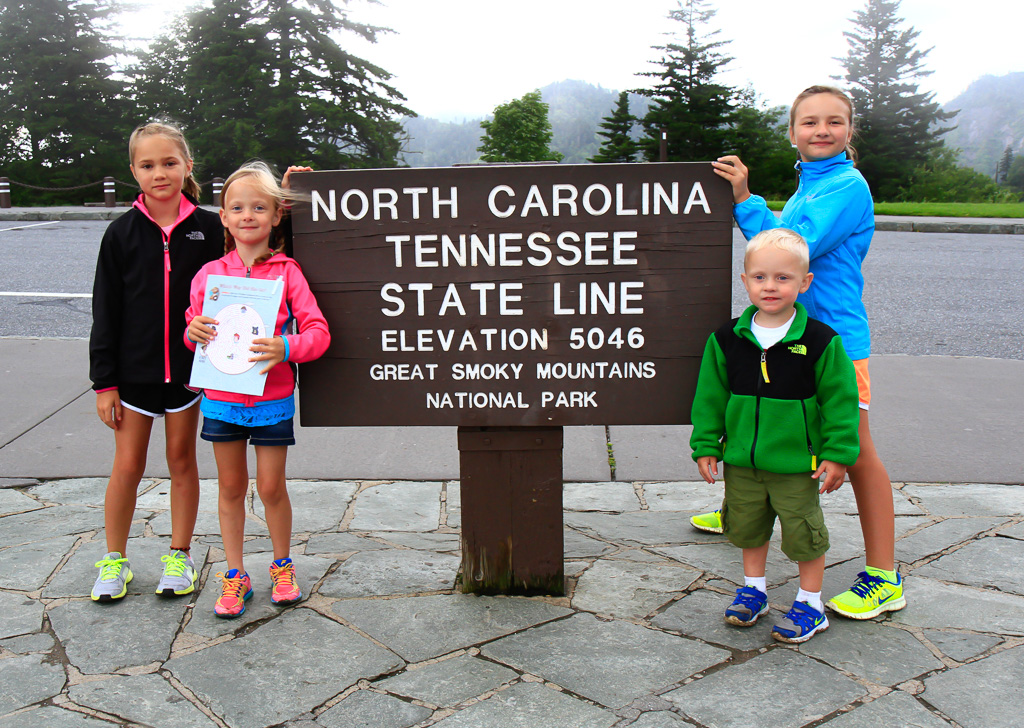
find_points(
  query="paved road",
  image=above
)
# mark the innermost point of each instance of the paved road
(47, 257)
(927, 293)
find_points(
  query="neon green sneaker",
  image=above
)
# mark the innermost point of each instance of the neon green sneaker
(869, 596)
(710, 522)
(179, 575)
(112, 582)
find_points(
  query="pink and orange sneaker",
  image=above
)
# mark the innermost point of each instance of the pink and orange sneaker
(286, 590)
(236, 589)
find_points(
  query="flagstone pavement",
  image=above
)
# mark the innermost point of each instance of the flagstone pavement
(383, 638)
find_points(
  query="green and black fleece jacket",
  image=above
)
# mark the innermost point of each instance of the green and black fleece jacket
(781, 409)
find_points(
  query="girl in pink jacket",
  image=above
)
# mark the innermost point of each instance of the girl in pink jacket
(252, 205)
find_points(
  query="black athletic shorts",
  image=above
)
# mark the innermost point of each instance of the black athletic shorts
(156, 399)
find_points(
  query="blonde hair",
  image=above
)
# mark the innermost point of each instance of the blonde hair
(839, 94)
(781, 239)
(172, 132)
(261, 177)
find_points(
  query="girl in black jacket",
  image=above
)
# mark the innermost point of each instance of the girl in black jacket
(139, 365)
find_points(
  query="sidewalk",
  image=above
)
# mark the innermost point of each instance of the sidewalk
(890, 223)
(383, 639)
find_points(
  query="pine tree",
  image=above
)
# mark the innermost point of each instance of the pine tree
(61, 113)
(268, 79)
(1015, 174)
(898, 124)
(519, 132)
(689, 105)
(618, 144)
(759, 136)
(1004, 164)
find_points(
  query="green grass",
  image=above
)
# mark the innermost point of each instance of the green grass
(941, 209)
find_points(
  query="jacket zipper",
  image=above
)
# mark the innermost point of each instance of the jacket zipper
(807, 434)
(757, 408)
(167, 307)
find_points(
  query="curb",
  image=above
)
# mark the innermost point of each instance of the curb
(107, 213)
(914, 226)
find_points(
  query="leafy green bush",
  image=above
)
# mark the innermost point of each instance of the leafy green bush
(942, 179)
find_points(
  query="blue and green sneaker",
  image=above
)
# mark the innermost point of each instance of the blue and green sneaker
(750, 603)
(801, 622)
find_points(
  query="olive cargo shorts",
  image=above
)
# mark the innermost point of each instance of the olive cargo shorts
(753, 499)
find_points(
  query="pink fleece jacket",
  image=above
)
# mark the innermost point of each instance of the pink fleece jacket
(298, 304)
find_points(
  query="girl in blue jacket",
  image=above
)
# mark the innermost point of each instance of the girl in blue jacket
(833, 210)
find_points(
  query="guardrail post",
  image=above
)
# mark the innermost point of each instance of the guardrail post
(5, 193)
(109, 198)
(218, 185)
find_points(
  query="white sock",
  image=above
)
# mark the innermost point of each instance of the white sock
(812, 598)
(758, 582)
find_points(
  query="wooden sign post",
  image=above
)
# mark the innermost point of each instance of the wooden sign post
(513, 297)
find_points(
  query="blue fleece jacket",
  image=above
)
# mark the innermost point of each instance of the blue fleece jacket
(832, 209)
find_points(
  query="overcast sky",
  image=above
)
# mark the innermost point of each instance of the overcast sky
(456, 59)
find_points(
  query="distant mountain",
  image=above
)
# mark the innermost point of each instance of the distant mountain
(433, 143)
(991, 117)
(575, 109)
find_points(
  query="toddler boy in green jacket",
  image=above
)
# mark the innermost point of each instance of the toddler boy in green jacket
(776, 402)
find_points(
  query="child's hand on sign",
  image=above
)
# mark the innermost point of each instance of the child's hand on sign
(735, 172)
(286, 179)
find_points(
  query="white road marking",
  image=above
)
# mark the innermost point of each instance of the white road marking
(39, 294)
(37, 224)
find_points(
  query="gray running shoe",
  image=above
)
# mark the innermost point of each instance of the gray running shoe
(112, 583)
(179, 575)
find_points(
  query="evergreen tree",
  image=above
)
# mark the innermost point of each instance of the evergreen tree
(61, 121)
(268, 79)
(1004, 164)
(898, 125)
(210, 74)
(519, 132)
(618, 144)
(1015, 175)
(759, 136)
(688, 104)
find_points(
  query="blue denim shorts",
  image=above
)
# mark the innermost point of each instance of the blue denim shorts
(280, 433)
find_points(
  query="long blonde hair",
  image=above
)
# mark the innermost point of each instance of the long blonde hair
(263, 179)
(172, 132)
(839, 94)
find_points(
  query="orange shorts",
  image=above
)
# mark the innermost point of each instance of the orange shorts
(863, 382)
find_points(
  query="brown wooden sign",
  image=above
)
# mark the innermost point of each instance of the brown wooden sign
(513, 295)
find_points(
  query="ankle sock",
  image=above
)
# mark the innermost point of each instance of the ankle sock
(890, 576)
(758, 582)
(811, 598)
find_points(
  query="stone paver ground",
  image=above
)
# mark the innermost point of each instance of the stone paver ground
(383, 638)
